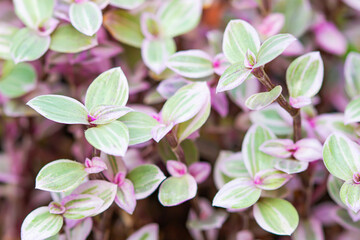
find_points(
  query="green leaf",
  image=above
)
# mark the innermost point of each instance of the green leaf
(155, 53)
(238, 193)
(352, 74)
(234, 166)
(271, 179)
(239, 37)
(60, 176)
(104, 114)
(127, 4)
(352, 112)
(261, 100)
(112, 138)
(109, 88)
(191, 64)
(176, 190)
(20, 80)
(276, 215)
(124, 27)
(291, 166)
(179, 16)
(28, 45)
(139, 125)
(305, 74)
(34, 13)
(350, 195)
(86, 17)
(233, 76)
(6, 34)
(341, 156)
(81, 206)
(256, 160)
(40, 224)
(66, 39)
(147, 232)
(272, 48)
(146, 179)
(60, 109)
(309, 229)
(334, 185)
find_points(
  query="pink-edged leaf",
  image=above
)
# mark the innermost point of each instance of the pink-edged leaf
(95, 165)
(150, 25)
(277, 147)
(114, 165)
(200, 171)
(159, 131)
(56, 208)
(80, 231)
(219, 102)
(168, 87)
(300, 101)
(79, 206)
(327, 30)
(291, 166)
(271, 179)
(104, 114)
(233, 76)
(125, 196)
(147, 232)
(308, 150)
(176, 168)
(271, 24)
(220, 64)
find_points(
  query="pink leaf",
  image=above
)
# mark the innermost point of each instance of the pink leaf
(200, 171)
(271, 25)
(95, 165)
(176, 168)
(308, 150)
(299, 102)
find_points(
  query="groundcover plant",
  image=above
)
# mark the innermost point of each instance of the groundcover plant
(180, 119)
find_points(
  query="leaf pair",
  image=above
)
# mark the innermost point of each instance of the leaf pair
(241, 44)
(104, 103)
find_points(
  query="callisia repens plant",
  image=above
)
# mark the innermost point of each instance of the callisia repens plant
(179, 119)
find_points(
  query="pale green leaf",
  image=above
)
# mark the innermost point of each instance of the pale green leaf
(276, 215)
(127, 4)
(112, 138)
(334, 185)
(233, 76)
(352, 112)
(191, 64)
(271, 179)
(124, 27)
(80, 206)
(309, 229)
(238, 193)
(86, 17)
(176, 190)
(28, 45)
(272, 48)
(234, 166)
(146, 178)
(264, 99)
(291, 166)
(108, 113)
(66, 39)
(109, 88)
(40, 224)
(350, 195)
(155, 53)
(60, 176)
(352, 74)
(6, 34)
(341, 156)
(60, 109)
(239, 37)
(147, 232)
(34, 13)
(179, 16)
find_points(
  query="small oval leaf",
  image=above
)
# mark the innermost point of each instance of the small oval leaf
(264, 99)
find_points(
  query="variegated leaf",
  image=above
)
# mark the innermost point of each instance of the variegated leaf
(309, 229)
(350, 195)
(233, 76)
(147, 232)
(334, 185)
(86, 17)
(352, 112)
(291, 166)
(352, 75)
(107, 113)
(271, 179)
(264, 99)
(234, 166)
(34, 13)
(80, 206)
(127, 4)
(6, 34)
(125, 196)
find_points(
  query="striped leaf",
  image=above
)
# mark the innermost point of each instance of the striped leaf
(99, 188)
(66, 39)
(239, 94)
(20, 80)
(258, 101)
(188, 127)
(108, 113)
(186, 103)
(34, 13)
(147, 232)
(276, 215)
(28, 45)
(334, 185)
(352, 74)
(114, 165)
(234, 166)
(341, 156)
(176, 190)
(160, 131)
(40, 224)
(60, 176)
(272, 48)
(125, 196)
(255, 160)
(191, 64)
(81, 230)
(238, 193)
(309, 229)
(112, 138)
(168, 87)
(146, 179)
(151, 26)
(233, 76)
(126, 4)
(86, 17)
(291, 166)
(109, 88)
(304, 76)
(352, 112)
(156, 52)
(271, 179)
(239, 37)
(277, 147)
(60, 109)
(350, 195)
(179, 16)
(6, 34)
(80, 206)
(124, 27)
(139, 125)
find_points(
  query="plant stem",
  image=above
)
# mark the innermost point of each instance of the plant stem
(260, 74)
(175, 147)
